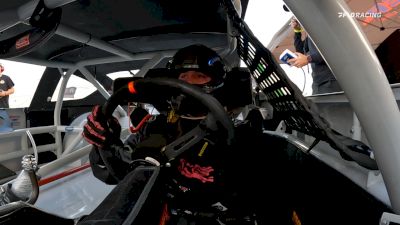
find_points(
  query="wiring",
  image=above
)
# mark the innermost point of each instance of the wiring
(305, 81)
(33, 145)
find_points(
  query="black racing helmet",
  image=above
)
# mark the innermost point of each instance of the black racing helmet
(203, 59)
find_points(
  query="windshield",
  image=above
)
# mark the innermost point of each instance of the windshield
(79, 88)
(26, 78)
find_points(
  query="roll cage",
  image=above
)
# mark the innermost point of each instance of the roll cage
(108, 46)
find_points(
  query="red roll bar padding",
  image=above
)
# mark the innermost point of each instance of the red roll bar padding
(63, 174)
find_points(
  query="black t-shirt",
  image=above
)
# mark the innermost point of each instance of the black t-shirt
(5, 84)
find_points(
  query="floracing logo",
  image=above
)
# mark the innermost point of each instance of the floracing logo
(360, 15)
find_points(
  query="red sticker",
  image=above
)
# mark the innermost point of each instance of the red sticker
(22, 42)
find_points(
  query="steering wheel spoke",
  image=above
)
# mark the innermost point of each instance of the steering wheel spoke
(184, 142)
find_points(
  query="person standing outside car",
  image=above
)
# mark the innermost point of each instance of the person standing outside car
(6, 88)
(323, 79)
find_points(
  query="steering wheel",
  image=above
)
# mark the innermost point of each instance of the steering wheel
(216, 120)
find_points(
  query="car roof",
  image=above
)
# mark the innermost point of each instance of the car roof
(133, 27)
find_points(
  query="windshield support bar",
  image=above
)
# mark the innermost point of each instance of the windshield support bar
(153, 62)
(100, 88)
(57, 109)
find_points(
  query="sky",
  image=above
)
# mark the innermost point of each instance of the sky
(263, 20)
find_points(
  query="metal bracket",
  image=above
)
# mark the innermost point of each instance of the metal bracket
(389, 219)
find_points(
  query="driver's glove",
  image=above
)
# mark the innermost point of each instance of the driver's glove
(101, 131)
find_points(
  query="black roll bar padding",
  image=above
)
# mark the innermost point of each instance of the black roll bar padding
(136, 193)
(144, 195)
(20, 212)
(11, 207)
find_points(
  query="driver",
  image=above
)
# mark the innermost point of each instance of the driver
(210, 183)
